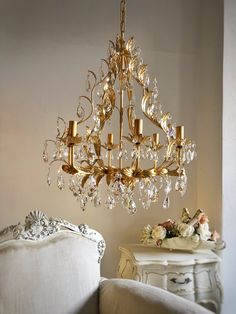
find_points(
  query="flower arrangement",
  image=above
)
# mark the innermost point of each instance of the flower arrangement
(190, 233)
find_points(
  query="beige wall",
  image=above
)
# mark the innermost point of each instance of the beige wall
(46, 49)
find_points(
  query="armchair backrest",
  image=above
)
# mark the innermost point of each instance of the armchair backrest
(49, 266)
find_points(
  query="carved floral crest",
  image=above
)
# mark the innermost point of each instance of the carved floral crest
(39, 227)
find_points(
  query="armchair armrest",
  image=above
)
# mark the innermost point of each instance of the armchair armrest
(119, 296)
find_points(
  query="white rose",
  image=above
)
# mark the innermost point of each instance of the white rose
(185, 230)
(204, 232)
(158, 233)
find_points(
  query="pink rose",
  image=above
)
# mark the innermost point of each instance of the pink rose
(167, 224)
(215, 235)
(203, 218)
(159, 242)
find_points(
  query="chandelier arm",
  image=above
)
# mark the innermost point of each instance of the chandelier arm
(80, 106)
(145, 98)
(57, 160)
(58, 130)
(173, 173)
(165, 165)
(49, 140)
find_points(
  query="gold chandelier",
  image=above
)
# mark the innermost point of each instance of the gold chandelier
(88, 158)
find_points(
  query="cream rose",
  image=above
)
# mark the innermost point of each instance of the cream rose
(204, 232)
(158, 233)
(146, 235)
(185, 230)
(195, 238)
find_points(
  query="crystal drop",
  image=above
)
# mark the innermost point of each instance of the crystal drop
(146, 80)
(150, 110)
(171, 132)
(149, 154)
(91, 186)
(166, 202)
(120, 155)
(146, 204)
(97, 201)
(142, 154)
(160, 183)
(154, 83)
(134, 153)
(100, 91)
(54, 155)
(110, 202)
(188, 156)
(48, 179)
(71, 183)
(80, 111)
(88, 83)
(178, 184)
(140, 60)
(60, 180)
(118, 188)
(125, 154)
(193, 155)
(45, 156)
(137, 51)
(182, 193)
(168, 186)
(101, 73)
(83, 202)
(132, 209)
(141, 184)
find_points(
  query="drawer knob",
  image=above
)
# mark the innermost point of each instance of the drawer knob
(186, 281)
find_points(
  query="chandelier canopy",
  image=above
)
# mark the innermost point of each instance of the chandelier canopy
(136, 167)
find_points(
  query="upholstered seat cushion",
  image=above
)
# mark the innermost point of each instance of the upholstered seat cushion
(123, 296)
(59, 275)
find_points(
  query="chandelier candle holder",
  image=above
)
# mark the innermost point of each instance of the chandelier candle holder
(87, 159)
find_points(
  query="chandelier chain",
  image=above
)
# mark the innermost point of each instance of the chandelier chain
(122, 17)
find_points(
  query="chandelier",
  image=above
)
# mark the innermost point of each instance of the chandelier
(136, 167)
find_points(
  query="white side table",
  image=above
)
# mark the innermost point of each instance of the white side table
(193, 276)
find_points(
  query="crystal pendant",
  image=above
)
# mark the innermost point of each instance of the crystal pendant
(101, 73)
(60, 179)
(91, 186)
(110, 202)
(117, 188)
(83, 202)
(135, 153)
(171, 132)
(168, 186)
(91, 155)
(146, 204)
(193, 152)
(137, 51)
(146, 80)
(188, 156)
(88, 83)
(45, 155)
(80, 111)
(132, 209)
(166, 202)
(100, 91)
(97, 200)
(48, 179)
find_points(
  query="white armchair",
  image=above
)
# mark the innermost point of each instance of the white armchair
(50, 266)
